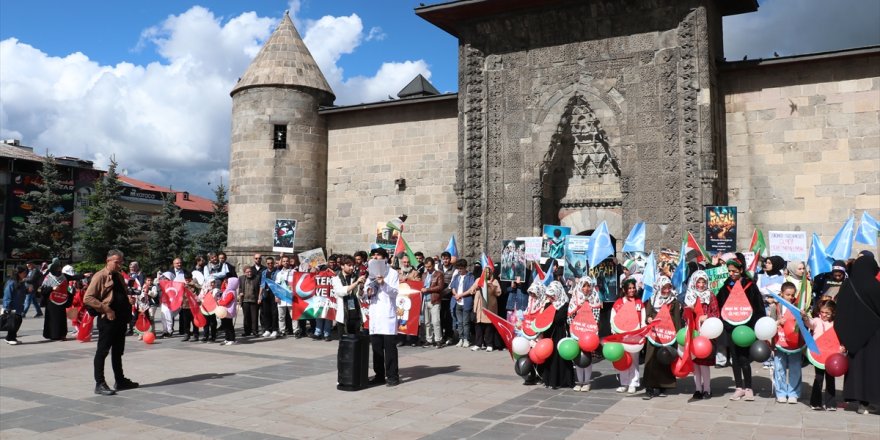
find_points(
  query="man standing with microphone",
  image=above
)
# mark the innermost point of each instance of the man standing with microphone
(383, 324)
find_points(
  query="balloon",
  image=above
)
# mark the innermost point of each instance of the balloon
(681, 368)
(589, 343)
(759, 351)
(523, 366)
(743, 336)
(765, 328)
(221, 312)
(520, 346)
(701, 347)
(633, 348)
(836, 364)
(533, 356)
(568, 348)
(149, 337)
(665, 355)
(623, 363)
(681, 336)
(543, 349)
(583, 360)
(613, 351)
(711, 328)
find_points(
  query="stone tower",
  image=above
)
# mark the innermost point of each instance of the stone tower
(278, 162)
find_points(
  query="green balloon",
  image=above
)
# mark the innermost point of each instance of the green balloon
(743, 336)
(681, 336)
(568, 349)
(613, 351)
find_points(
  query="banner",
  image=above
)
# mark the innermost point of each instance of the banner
(717, 276)
(533, 247)
(513, 260)
(790, 245)
(576, 248)
(409, 306)
(312, 296)
(554, 241)
(386, 237)
(312, 259)
(720, 229)
(285, 233)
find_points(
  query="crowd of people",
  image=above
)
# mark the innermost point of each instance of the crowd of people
(847, 299)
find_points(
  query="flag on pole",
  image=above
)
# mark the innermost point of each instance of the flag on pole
(841, 245)
(486, 261)
(538, 273)
(869, 228)
(452, 247)
(403, 248)
(757, 245)
(600, 245)
(395, 225)
(505, 329)
(548, 278)
(649, 277)
(278, 290)
(635, 242)
(694, 250)
(818, 260)
(680, 276)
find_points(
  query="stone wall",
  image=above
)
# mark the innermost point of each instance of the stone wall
(368, 150)
(803, 142)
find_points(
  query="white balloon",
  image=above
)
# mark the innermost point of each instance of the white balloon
(633, 348)
(221, 312)
(711, 328)
(765, 328)
(520, 346)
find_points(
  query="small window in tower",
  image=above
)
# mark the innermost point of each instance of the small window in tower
(280, 137)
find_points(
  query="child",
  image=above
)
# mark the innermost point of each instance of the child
(142, 304)
(187, 324)
(658, 377)
(211, 327)
(228, 300)
(629, 379)
(819, 326)
(584, 292)
(789, 345)
(703, 301)
(739, 359)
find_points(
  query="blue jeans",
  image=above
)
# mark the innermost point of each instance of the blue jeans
(787, 374)
(465, 319)
(28, 300)
(323, 327)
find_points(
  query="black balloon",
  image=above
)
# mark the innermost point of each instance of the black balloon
(666, 355)
(523, 366)
(583, 360)
(759, 351)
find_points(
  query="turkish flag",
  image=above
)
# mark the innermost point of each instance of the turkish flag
(504, 328)
(172, 293)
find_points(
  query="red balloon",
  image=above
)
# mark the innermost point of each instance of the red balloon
(589, 342)
(837, 364)
(623, 363)
(681, 368)
(533, 355)
(149, 337)
(543, 349)
(701, 347)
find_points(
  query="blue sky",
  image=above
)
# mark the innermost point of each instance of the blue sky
(148, 81)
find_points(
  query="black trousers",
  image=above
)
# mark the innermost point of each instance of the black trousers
(446, 319)
(269, 314)
(485, 335)
(385, 357)
(830, 391)
(742, 366)
(210, 327)
(186, 324)
(111, 340)
(250, 311)
(227, 326)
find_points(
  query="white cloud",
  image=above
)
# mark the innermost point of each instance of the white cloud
(168, 122)
(376, 34)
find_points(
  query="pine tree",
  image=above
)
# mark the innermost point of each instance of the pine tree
(214, 240)
(168, 236)
(108, 224)
(47, 230)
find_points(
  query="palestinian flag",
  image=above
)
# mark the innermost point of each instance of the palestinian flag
(695, 252)
(757, 245)
(403, 248)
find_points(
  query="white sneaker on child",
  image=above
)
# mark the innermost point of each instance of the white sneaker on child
(621, 389)
(266, 333)
(585, 388)
(576, 388)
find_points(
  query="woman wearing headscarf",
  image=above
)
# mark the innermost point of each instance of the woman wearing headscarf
(584, 292)
(57, 290)
(700, 298)
(657, 376)
(797, 275)
(858, 328)
(630, 306)
(555, 372)
(770, 281)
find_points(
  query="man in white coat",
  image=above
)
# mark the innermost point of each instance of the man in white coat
(383, 324)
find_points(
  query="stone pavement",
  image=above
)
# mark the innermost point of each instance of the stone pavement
(286, 389)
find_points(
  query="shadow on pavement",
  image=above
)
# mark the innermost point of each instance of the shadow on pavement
(417, 372)
(187, 379)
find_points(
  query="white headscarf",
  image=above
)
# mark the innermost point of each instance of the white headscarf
(692, 294)
(658, 300)
(556, 293)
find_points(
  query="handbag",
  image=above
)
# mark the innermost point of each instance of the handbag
(10, 322)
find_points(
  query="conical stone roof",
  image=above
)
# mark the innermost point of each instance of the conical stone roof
(284, 61)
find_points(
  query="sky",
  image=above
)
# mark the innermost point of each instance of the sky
(148, 81)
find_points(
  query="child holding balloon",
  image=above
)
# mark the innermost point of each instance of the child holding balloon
(662, 306)
(584, 293)
(700, 298)
(628, 314)
(819, 326)
(789, 347)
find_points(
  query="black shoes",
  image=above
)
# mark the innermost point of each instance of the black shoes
(697, 395)
(185, 338)
(707, 395)
(392, 383)
(103, 389)
(126, 384)
(377, 381)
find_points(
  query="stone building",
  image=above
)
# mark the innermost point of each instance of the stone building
(567, 113)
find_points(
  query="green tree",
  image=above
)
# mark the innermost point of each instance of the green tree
(108, 224)
(214, 239)
(168, 236)
(47, 229)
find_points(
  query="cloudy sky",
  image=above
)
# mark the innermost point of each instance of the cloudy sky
(148, 81)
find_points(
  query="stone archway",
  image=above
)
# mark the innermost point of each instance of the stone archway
(587, 219)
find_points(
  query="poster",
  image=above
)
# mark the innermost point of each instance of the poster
(717, 276)
(554, 241)
(312, 259)
(606, 278)
(513, 260)
(790, 245)
(409, 306)
(386, 237)
(533, 247)
(639, 259)
(285, 233)
(312, 296)
(720, 229)
(576, 247)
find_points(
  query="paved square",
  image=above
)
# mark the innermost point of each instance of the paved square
(267, 389)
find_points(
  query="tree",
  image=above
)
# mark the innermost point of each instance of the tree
(214, 239)
(168, 236)
(108, 224)
(47, 229)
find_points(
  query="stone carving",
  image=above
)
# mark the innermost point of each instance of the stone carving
(592, 156)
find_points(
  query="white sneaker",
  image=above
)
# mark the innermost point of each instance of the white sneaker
(266, 334)
(460, 343)
(792, 400)
(621, 389)
(467, 344)
(490, 349)
(475, 348)
(781, 400)
(13, 342)
(273, 335)
(229, 343)
(631, 390)
(585, 388)
(576, 388)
